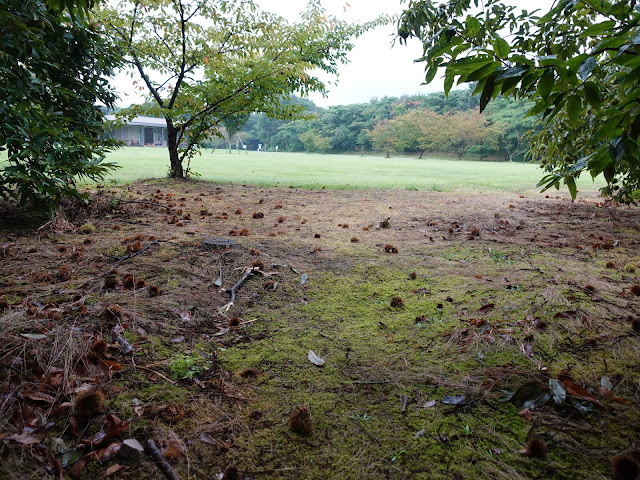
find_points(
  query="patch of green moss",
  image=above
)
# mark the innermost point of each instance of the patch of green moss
(375, 354)
(136, 388)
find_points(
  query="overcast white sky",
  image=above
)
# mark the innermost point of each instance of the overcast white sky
(376, 69)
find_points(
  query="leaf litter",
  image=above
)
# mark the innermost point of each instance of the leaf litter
(70, 303)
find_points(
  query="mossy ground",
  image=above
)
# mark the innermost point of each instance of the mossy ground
(493, 296)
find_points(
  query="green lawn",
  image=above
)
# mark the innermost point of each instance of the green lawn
(338, 171)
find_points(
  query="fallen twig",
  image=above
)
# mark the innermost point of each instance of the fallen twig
(130, 255)
(405, 401)
(153, 451)
(238, 284)
(365, 431)
(15, 370)
(367, 382)
(133, 364)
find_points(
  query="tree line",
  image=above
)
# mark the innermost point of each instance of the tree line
(411, 125)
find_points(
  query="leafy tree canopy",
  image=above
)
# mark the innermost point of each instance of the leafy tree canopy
(205, 60)
(52, 75)
(579, 63)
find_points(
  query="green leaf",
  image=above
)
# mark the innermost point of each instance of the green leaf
(448, 83)
(469, 64)
(609, 173)
(598, 162)
(609, 127)
(521, 59)
(612, 43)
(631, 77)
(513, 72)
(545, 84)
(482, 72)
(487, 92)
(616, 149)
(548, 181)
(501, 47)
(598, 29)
(586, 67)
(431, 73)
(574, 109)
(472, 25)
(573, 189)
(592, 95)
(549, 61)
(537, 108)
(508, 85)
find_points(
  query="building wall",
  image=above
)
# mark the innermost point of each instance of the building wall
(136, 135)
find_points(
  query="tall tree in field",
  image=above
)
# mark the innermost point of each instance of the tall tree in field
(466, 129)
(205, 60)
(384, 137)
(53, 70)
(421, 130)
(233, 124)
(579, 64)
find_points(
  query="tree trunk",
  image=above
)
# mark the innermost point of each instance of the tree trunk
(421, 152)
(174, 159)
(387, 154)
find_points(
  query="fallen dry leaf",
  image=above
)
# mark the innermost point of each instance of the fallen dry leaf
(27, 438)
(527, 349)
(112, 469)
(103, 454)
(76, 469)
(313, 358)
(581, 393)
(487, 308)
(38, 396)
(115, 427)
(208, 439)
(606, 393)
(525, 414)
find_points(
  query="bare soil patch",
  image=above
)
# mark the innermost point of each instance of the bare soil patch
(454, 329)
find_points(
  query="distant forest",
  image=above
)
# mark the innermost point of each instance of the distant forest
(412, 125)
(432, 125)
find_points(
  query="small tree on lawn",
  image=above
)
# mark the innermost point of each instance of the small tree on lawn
(384, 137)
(203, 61)
(421, 130)
(232, 126)
(466, 129)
